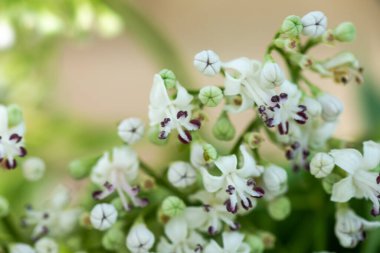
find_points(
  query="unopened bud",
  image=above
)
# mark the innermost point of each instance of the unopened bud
(81, 168)
(256, 244)
(332, 107)
(321, 165)
(103, 216)
(207, 62)
(314, 24)
(272, 75)
(210, 96)
(292, 26)
(46, 245)
(33, 168)
(173, 206)
(169, 78)
(253, 139)
(113, 239)
(209, 153)
(140, 239)
(279, 208)
(345, 32)
(15, 116)
(181, 174)
(223, 129)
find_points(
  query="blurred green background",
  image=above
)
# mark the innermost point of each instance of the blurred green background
(77, 67)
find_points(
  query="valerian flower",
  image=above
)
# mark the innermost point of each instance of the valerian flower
(207, 62)
(115, 172)
(314, 24)
(131, 130)
(172, 114)
(238, 184)
(12, 140)
(350, 228)
(232, 243)
(360, 181)
(140, 239)
(103, 216)
(181, 238)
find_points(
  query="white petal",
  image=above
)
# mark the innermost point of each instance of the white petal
(183, 98)
(176, 230)
(349, 160)
(226, 164)
(210, 182)
(249, 169)
(232, 241)
(343, 190)
(158, 94)
(213, 247)
(3, 119)
(371, 152)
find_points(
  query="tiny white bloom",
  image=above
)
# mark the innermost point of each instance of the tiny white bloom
(350, 228)
(332, 107)
(207, 62)
(103, 216)
(21, 248)
(272, 75)
(360, 181)
(7, 38)
(131, 130)
(238, 184)
(117, 174)
(275, 181)
(181, 174)
(171, 114)
(321, 165)
(33, 168)
(232, 243)
(140, 239)
(314, 24)
(46, 245)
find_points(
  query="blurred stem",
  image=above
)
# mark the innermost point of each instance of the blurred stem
(10, 228)
(150, 36)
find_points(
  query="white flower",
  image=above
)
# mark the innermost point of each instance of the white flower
(211, 216)
(314, 108)
(7, 38)
(314, 24)
(116, 174)
(232, 243)
(11, 142)
(243, 78)
(46, 245)
(171, 114)
(21, 248)
(275, 181)
(140, 239)
(181, 238)
(207, 62)
(54, 218)
(237, 183)
(332, 107)
(272, 75)
(284, 108)
(103, 216)
(131, 130)
(181, 174)
(360, 181)
(350, 228)
(33, 168)
(321, 165)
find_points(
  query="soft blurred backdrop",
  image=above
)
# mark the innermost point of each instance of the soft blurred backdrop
(78, 76)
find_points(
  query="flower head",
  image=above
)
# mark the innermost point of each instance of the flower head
(131, 130)
(314, 24)
(103, 216)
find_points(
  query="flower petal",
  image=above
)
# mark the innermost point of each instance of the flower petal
(226, 164)
(213, 247)
(349, 160)
(371, 152)
(232, 241)
(176, 230)
(210, 182)
(183, 98)
(249, 169)
(343, 190)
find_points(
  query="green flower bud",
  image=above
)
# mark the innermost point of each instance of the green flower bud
(169, 78)
(329, 181)
(223, 129)
(268, 239)
(345, 32)
(173, 206)
(210, 96)
(153, 134)
(279, 208)
(253, 139)
(209, 153)
(4, 207)
(15, 116)
(81, 168)
(113, 239)
(292, 26)
(256, 244)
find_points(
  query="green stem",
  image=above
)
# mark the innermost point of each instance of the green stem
(310, 44)
(11, 229)
(314, 89)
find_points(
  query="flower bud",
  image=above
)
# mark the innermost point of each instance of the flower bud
(4, 207)
(255, 243)
(253, 139)
(332, 107)
(113, 239)
(169, 78)
(209, 153)
(21, 247)
(46, 245)
(279, 208)
(103, 216)
(321, 165)
(345, 32)
(292, 26)
(15, 115)
(275, 180)
(223, 129)
(81, 168)
(314, 108)
(271, 75)
(153, 135)
(269, 239)
(131, 130)
(33, 168)
(173, 206)
(329, 181)
(140, 239)
(207, 62)
(181, 174)
(314, 24)
(210, 96)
